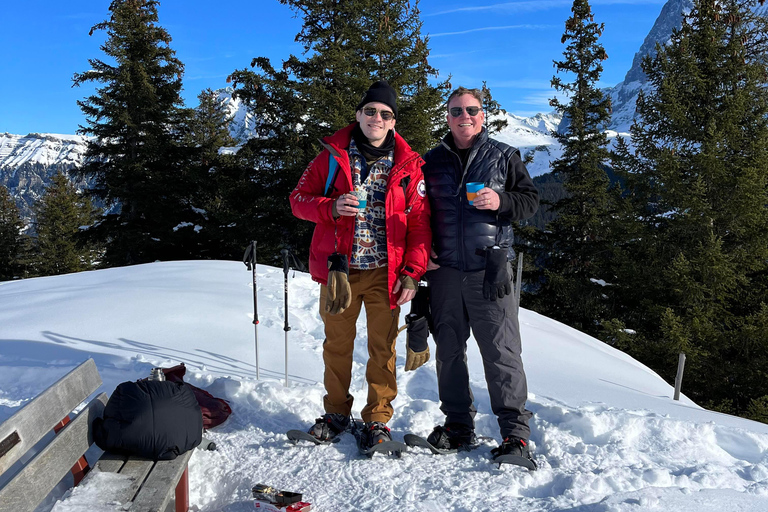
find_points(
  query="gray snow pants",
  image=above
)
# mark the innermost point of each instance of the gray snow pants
(457, 305)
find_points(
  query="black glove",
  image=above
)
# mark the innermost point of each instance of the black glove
(497, 282)
(339, 295)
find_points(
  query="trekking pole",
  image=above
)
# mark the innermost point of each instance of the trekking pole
(519, 279)
(249, 258)
(288, 260)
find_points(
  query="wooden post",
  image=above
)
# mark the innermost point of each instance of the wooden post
(182, 492)
(81, 467)
(679, 378)
(519, 278)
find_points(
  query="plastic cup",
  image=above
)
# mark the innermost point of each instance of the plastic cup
(362, 199)
(472, 189)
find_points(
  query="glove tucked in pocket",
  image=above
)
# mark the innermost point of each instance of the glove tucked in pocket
(418, 324)
(497, 282)
(417, 350)
(338, 295)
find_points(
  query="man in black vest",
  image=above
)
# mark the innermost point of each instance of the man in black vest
(469, 273)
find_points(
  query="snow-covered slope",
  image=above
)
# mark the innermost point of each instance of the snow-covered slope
(606, 433)
(532, 135)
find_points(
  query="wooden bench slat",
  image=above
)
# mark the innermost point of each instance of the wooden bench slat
(33, 483)
(110, 463)
(136, 469)
(37, 418)
(165, 476)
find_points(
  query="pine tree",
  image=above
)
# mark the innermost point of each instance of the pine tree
(577, 244)
(10, 236)
(348, 45)
(221, 182)
(135, 118)
(60, 216)
(399, 53)
(696, 278)
(494, 120)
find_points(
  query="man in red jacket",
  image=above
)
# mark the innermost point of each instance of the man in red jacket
(365, 192)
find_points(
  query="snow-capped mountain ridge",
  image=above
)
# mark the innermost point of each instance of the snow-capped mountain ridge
(41, 148)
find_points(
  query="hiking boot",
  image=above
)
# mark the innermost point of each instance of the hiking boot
(453, 436)
(375, 432)
(513, 446)
(329, 426)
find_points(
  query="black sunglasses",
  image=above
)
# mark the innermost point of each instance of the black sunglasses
(472, 111)
(386, 115)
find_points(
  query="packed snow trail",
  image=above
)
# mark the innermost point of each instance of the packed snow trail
(606, 434)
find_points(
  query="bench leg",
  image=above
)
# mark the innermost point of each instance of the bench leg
(81, 467)
(182, 492)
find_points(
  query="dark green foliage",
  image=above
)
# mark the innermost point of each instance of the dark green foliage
(348, 45)
(758, 409)
(60, 216)
(574, 251)
(10, 236)
(135, 118)
(551, 190)
(492, 108)
(222, 183)
(694, 273)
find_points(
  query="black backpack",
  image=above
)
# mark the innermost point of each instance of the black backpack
(157, 420)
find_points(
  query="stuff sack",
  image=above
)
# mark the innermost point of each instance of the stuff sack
(215, 410)
(157, 420)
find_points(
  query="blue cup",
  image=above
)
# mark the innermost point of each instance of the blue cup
(472, 189)
(362, 198)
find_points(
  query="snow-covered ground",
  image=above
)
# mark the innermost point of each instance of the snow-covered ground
(606, 434)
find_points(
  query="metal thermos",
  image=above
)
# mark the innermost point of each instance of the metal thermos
(156, 374)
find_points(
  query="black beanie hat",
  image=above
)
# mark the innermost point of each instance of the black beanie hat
(380, 92)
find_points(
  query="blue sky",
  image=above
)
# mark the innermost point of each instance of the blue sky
(511, 45)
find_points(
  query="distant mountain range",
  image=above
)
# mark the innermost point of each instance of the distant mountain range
(28, 162)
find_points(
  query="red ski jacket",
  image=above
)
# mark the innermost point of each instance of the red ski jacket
(409, 237)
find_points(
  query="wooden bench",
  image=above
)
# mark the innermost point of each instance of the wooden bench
(149, 486)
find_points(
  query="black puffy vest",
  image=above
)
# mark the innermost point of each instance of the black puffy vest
(459, 229)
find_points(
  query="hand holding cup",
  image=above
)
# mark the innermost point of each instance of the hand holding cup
(347, 205)
(485, 199)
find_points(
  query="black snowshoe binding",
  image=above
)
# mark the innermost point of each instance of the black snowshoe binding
(375, 437)
(325, 430)
(453, 436)
(514, 450)
(375, 433)
(328, 427)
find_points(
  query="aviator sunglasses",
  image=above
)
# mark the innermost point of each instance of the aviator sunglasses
(472, 111)
(386, 115)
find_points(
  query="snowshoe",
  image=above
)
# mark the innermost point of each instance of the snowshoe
(447, 439)
(327, 429)
(299, 435)
(418, 441)
(374, 437)
(514, 450)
